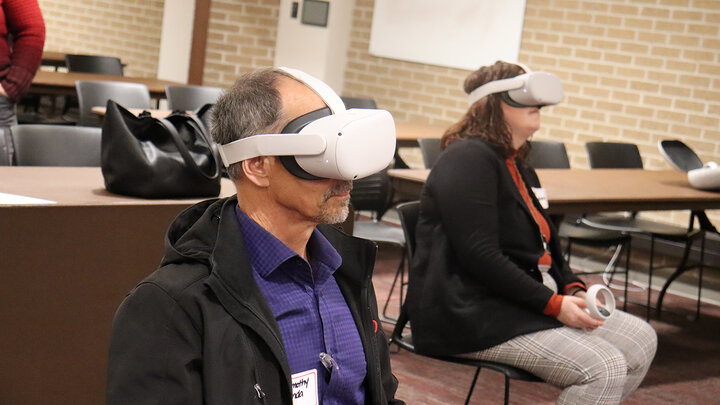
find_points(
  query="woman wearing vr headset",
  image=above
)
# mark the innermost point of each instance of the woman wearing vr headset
(488, 279)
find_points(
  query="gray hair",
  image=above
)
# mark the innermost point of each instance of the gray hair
(251, 106)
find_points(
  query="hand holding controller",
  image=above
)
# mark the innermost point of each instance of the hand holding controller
(605, 309)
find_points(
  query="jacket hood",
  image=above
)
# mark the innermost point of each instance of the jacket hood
(192, 235)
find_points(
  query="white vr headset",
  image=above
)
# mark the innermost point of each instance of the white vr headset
(534, 89)
(331, 142)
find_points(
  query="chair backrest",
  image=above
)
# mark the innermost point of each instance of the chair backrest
(97, 93)
(94, 64)
(680, 155)
(430, 150)
(56, 145)
(613, 155)
(191, 97)
(358, 102)
(372, 193)
(548, 155)
(408, 214)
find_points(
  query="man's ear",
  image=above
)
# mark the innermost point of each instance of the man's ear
(257, 170)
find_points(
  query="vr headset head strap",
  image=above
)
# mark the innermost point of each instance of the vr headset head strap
(326, 93)
(496, 86)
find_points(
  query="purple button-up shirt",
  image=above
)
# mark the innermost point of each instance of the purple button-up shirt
(310, 310)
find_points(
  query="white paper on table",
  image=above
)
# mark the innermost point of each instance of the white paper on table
(13, 199)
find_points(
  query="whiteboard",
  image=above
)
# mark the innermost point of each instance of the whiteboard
(463, 34)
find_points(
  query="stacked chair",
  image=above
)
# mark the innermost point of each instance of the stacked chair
(373, 194)
(97, 93)
(190, 98)
(56, 145)
(616, 155)
(683, 158)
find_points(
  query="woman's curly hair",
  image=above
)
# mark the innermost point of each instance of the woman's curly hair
(484, 119)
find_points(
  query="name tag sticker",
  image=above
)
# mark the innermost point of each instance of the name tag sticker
(304, 388)
(541, 195)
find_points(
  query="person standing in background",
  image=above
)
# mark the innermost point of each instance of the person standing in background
(22, 37)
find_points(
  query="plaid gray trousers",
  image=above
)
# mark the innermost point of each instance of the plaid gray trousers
(600, 367)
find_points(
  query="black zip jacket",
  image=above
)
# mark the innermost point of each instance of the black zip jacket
(474, 280)
(198, 331)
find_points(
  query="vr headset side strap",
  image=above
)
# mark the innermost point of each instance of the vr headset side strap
(496, 86)
(271, 145)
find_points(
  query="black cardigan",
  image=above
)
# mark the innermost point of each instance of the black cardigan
(474, 281)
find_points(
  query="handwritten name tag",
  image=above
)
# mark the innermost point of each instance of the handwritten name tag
(304, 387)
(541, 195)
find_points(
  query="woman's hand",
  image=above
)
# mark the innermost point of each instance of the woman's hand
(572, 314)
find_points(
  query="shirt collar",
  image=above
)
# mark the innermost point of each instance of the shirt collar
(267, 252)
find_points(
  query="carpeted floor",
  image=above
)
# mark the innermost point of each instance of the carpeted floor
(686, 369)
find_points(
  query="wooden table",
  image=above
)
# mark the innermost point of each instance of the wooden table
(65, 269)
(62, 83)
(53, 58)
(599, 190)
(408, 133)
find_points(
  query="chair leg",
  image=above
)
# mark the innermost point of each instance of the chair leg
(472, 385)
(700, 275)
(627, 274)
(682, 267)
(650, 272)
(400, 273)
(507, 390)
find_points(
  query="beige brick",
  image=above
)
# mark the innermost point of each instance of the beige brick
(618, 9)
(681, 66)
(628, 98)
(605, 130)
(652, 125)
(684, 40)
(609, 106)
(631, 73)
(653, 37)
(665, 52)
(707, 121)
(709, 95)
(694, 80)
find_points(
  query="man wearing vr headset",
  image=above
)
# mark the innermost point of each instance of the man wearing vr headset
(489, 280)
(257, 299)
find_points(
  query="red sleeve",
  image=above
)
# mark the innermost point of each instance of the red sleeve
(553, 306)
(26, 25)
(573, 287)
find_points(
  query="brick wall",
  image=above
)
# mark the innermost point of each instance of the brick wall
(241, 38)
(128, 29)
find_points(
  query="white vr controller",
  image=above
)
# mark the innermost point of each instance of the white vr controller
(599, 311)
(706, 177)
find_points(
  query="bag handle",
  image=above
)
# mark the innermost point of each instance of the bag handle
(185, 153)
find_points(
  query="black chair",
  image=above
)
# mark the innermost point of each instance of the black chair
(679, 155)
(97, 93)
(553, 155)
(408, 213)
(372, 194)
(94, 64)
(430, 150)
(683, 158)
(107, 65)
(190, 98)
(358, 102)
(614, 155)
(548, 155)
(56, 145)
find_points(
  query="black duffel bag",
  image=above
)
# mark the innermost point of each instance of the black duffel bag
(148, 157)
